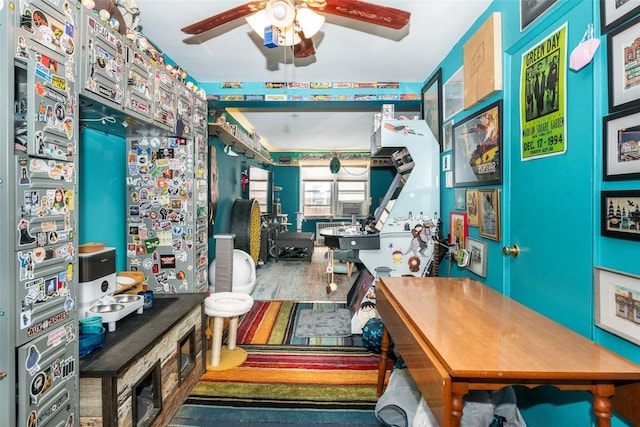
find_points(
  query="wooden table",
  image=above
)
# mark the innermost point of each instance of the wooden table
(294, 246)
(457, 335)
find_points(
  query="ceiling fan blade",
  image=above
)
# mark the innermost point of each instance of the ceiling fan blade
(367, 12)
(305, 48)
(224, 17)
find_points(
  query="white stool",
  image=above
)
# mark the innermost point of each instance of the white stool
(223, 305)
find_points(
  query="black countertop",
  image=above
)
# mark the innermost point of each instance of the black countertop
(137, 333)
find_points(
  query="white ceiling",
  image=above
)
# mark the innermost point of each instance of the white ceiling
(346, 51)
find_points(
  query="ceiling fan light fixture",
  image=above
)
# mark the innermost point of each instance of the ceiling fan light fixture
(309, 21)
(280, 13)
(258, 22)
(288, 36)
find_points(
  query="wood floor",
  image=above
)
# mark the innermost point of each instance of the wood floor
(301, 280)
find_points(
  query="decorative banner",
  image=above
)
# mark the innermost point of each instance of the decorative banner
(542, 97)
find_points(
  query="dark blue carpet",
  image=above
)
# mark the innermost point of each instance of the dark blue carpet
(218, 416)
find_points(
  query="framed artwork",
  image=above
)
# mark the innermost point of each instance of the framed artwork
(459, 199)
(477, 148)
(615, 12)
(489, 215)
(620, 214)
(446, 162)
(477, 256)
(447, 135)
(453, 94)
(621, 146)
(616, 298)
(473, 207)
(448, 179)
(458, 229)
(530, 10)
(482, 59)
(623, 67)
(432, 105)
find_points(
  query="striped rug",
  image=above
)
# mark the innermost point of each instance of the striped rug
(274, 323)
(320, 377)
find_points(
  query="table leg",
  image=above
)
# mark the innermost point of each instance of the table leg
(602, 404)
(458, 390)
(382, 363)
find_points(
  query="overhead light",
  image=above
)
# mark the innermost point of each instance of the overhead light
(288, 19)
(280, 13)
(228, 150)
(309, 21)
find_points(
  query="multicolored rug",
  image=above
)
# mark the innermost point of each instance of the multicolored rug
(293, 377)
(221, 416)
(275, 323)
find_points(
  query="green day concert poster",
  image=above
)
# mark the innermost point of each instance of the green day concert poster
(542, 97)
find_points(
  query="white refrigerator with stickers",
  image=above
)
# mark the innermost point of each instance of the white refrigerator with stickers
(164, 201)
(39, 125)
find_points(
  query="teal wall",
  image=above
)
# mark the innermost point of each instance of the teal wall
(102, 207)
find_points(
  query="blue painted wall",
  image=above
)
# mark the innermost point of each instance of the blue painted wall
(102, 207)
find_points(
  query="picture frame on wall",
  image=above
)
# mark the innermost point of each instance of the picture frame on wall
(453, 94)
(489, 215)
(615, 12)
(446, 163)
(432, 105)
(477, 256)
(624, 85)
(530, 10)
(621, 146)
(615, 303)
(458, 229)
(482, 61)
(459, 199)
(473, 207)
(620, 214)
(477, 148)
(447, 136)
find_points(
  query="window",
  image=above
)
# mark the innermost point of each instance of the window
(326, 194)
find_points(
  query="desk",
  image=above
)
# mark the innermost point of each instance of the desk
(457, 335)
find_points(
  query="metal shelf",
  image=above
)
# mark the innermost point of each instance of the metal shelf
(226, 137)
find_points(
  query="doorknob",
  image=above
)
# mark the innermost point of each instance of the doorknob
(513, 250)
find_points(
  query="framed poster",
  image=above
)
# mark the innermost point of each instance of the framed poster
(473, 207)
(530, 10)
(620, 214)
(477, 148)
(453, 94)
(477, 256)
(542, 97)
(616, 298)
(621, 146)
(458, 229)
(447, 136)
(482, 59)
(624, 67)
(615, 12)
(489, 220)
(432, 105)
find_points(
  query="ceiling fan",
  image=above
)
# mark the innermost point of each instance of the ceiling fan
(296, 21)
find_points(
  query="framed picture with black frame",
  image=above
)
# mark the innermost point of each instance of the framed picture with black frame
(615, 12)
(621, 146)
(432, 105)
(530, 10)
(623, 68)
(477, 148)
(620, 214)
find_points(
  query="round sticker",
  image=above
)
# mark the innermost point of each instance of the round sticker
(38, 384)
(147, 263)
